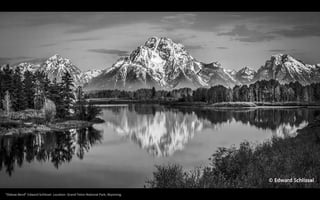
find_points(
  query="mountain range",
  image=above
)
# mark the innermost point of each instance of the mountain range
(55, 66)
(164, 64)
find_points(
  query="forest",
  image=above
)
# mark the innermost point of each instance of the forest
(260, 91)
(21, 91)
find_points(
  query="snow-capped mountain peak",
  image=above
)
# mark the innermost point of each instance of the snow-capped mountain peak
(161, 63)
(247, 70)
(25, 66)
(55, 67)
(245, 75)
(232, 72)
(286, 68)
(90, 74)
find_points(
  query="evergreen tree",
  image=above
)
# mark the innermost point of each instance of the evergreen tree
(79, 108)
(44, 82)
(7, 79)
(29, 89)
(2, 92)
(153, 92)
(54, 94)
(18, 97)
(235, 93)
(67, 94)
(39, 95)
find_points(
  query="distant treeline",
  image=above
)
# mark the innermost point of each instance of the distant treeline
(260, 91)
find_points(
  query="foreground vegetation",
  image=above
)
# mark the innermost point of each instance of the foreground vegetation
(32, 102)
(252, 166)
(32, 121)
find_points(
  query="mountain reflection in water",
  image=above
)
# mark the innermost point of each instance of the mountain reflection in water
(54, 147)
(162, 131)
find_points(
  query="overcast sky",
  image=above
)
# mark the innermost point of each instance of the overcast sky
(95, 40)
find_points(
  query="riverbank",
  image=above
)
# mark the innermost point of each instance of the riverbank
(102, 101)
(30, 121)
(26, 128)
(291, 162)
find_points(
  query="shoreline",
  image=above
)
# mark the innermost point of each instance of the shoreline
(233, 105)
(25, 128)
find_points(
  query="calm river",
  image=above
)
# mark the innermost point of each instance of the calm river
(123, 151)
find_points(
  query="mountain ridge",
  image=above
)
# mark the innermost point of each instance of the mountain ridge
(161, 63)
(164, 64)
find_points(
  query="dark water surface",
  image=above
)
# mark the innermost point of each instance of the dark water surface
(122, 151)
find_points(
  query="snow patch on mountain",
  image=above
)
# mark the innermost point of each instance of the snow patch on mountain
(161, 63)
(56, 66)
(90, 74)
(286, 69)
(245, 75)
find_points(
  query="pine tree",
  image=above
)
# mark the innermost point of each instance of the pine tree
(44, 82)
(79, 108)
(29, 89)
(67, 86)
(2, 92)
(54, 94)
(18, 97)
(7, 79)
(153, 92)
(39, 96)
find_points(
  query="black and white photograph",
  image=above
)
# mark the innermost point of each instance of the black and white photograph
(159, 99)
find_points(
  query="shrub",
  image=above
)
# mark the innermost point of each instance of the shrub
(170, 176)
(92, 112)
(7, 103)
(252, 166)
(49, 110)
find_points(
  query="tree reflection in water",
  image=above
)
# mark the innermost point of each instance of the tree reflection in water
(161, 131)
(55, 147)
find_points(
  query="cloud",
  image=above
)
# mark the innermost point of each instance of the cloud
(37, 60)
(243, 34)
(181, 38)
(9, 60)
(186, 18)
(277, 50)
(49, 44)
(110, 51)
(290, 51)
(222, 48)
(176, 21)
(257, 38)
(193, 47)
(29, 60)
(71, 40)
(84, 39)
(304, 30)
(304, 57)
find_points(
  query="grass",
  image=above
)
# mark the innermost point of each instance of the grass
(234, 104)
(70, 124)
(29, 121)
(288, 103)
(251, 166)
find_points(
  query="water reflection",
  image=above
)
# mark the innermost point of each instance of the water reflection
(162, 131)
(54, 147)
